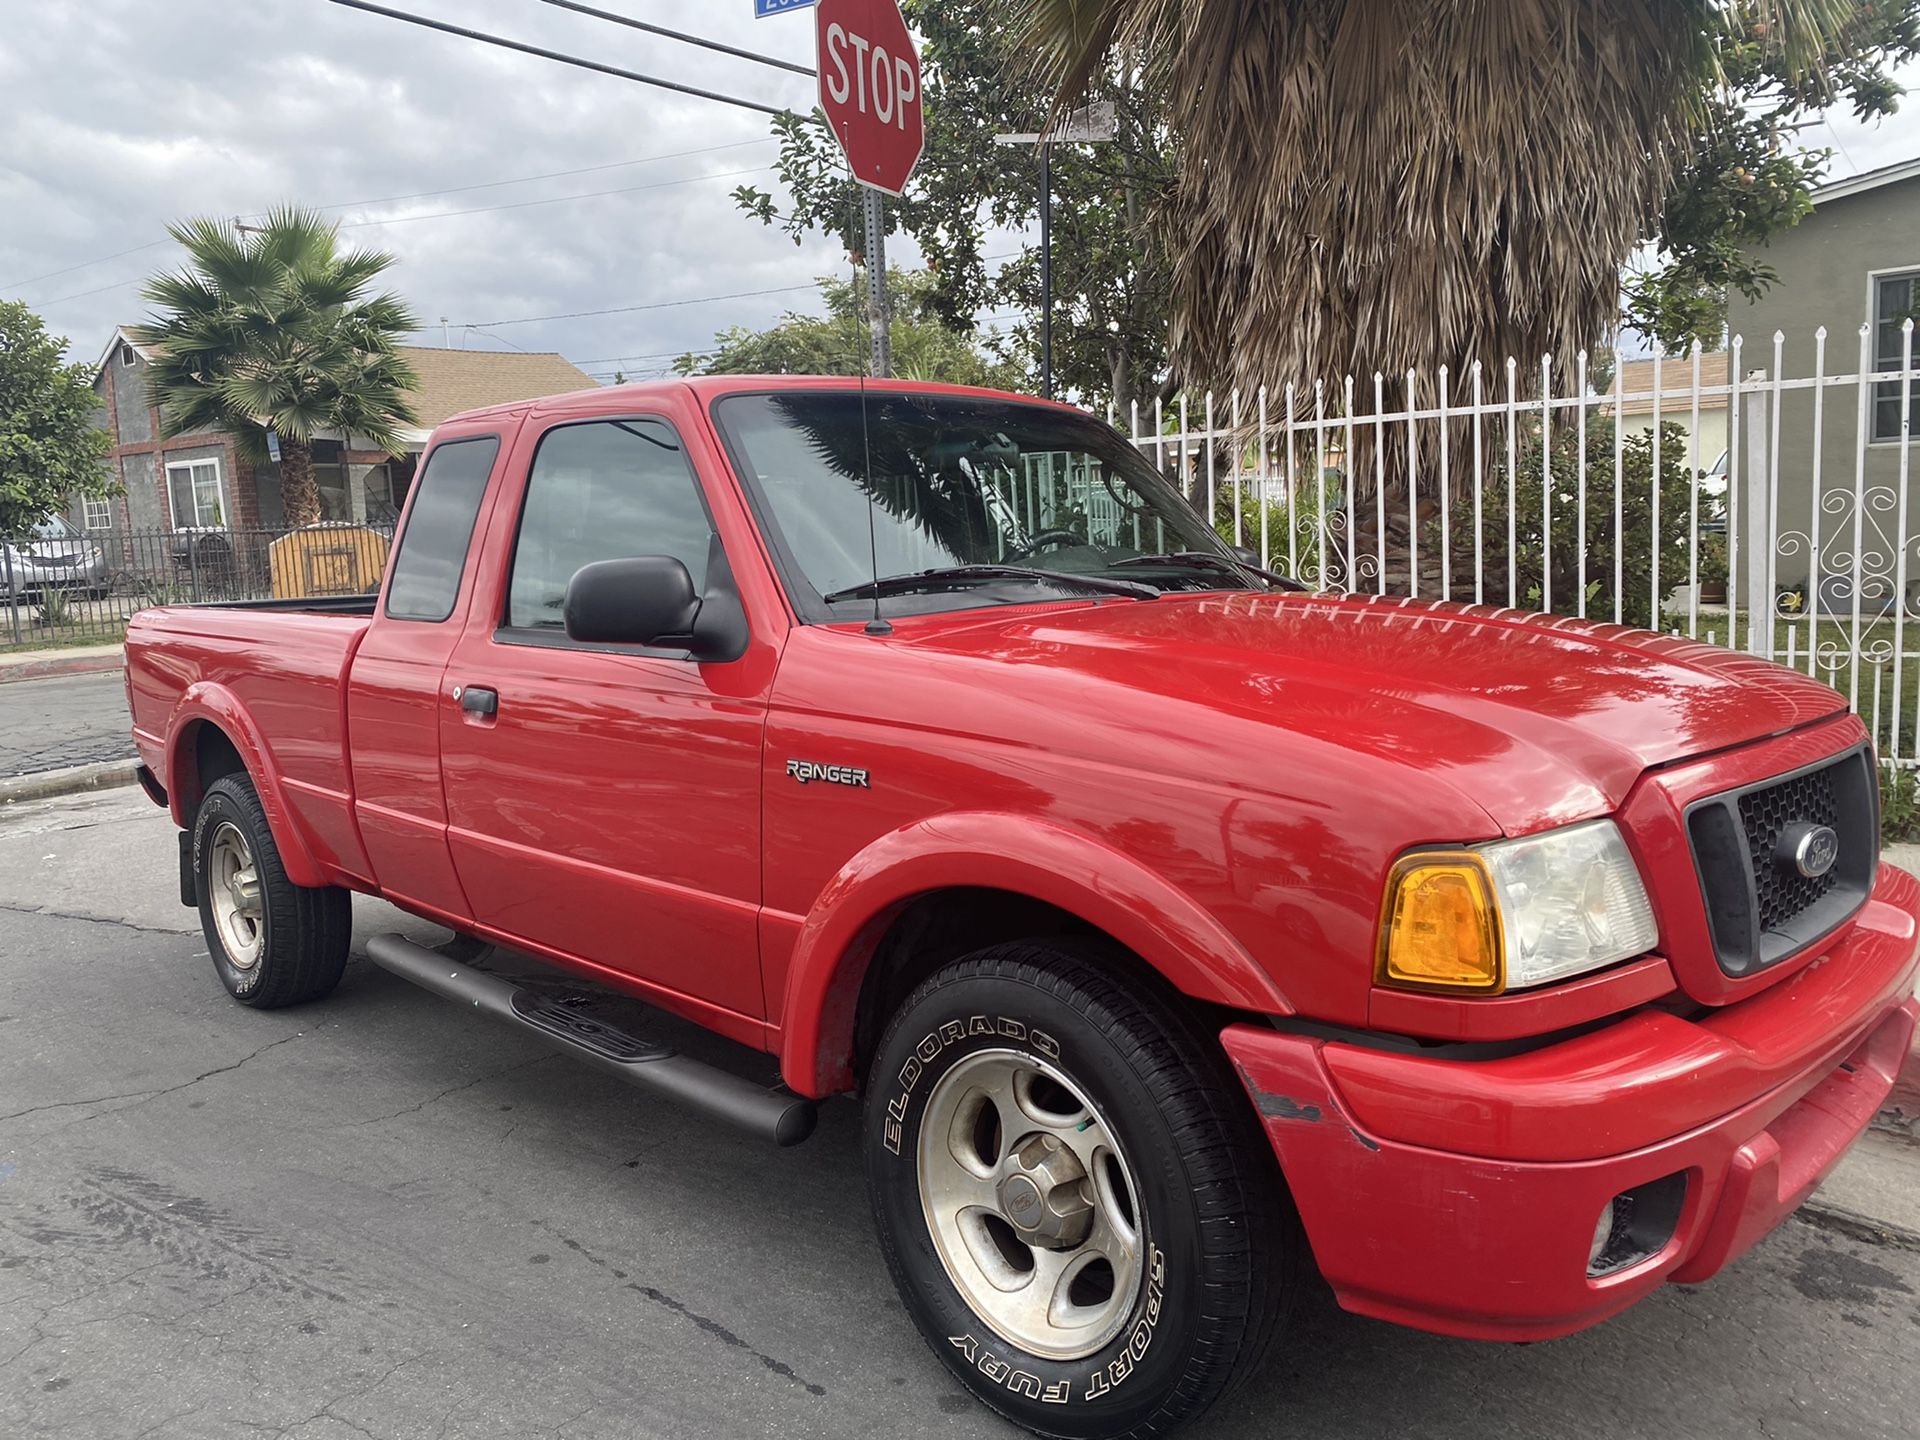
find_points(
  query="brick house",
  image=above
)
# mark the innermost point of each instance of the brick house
(203, 482)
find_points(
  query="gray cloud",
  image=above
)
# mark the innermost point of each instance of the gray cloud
(125, 114)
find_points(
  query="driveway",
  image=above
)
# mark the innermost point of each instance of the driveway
(384, 1216)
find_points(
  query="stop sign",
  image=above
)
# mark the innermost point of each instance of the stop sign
(870, 88)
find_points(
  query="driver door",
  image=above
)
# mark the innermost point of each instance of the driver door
(604, 803)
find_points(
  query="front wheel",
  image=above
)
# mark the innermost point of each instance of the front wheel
(273, 942)
(1076, 1206)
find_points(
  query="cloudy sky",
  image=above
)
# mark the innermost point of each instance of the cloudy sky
(121, 115)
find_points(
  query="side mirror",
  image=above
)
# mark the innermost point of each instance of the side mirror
(641, 600)
(1246, 555)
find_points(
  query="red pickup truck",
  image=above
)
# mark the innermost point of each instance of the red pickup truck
(1175, 926)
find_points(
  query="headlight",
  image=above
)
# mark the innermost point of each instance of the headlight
(1514, 913)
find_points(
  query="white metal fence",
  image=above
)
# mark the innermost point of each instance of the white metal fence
(1782, 522)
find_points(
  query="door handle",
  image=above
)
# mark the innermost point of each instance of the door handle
(478, 700)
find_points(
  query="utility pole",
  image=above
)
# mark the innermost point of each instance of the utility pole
(1046, 269)
(878, 326)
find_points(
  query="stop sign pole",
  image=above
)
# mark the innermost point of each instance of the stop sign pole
(870, 93)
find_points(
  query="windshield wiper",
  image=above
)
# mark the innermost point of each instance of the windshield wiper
(961, 575)
(1202, 560)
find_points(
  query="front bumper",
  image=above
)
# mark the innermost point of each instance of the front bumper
(1461, 1196)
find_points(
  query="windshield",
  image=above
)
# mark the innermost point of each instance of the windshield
(958, 480)
(52, 528)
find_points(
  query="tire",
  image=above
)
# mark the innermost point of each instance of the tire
(1154, 1184)
(273, 943)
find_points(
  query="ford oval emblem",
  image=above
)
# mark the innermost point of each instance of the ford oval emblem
(1811, 850)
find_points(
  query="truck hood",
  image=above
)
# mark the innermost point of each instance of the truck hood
(1537, 720)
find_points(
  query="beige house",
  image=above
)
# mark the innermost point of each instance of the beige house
(1675, 395)
(203, 482)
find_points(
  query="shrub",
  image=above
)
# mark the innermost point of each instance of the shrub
(1899, 804)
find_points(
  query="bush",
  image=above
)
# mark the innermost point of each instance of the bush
(1634, 540)
(1899, 804)
(56, 608)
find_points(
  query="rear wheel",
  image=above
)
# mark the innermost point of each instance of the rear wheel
(273, 943)
(1076, 1206)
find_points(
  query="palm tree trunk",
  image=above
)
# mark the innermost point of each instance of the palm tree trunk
(299, 492)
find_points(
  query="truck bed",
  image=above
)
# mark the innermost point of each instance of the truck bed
(274, 671)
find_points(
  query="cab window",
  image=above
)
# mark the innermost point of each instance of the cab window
(603, 490)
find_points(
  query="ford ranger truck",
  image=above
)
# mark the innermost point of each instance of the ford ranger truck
(1175, 927)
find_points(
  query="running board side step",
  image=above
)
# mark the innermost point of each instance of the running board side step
(776, 1115)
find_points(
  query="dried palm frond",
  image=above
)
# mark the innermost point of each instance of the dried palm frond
(1385, 185)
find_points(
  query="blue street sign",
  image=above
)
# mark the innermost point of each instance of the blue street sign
(764, 8)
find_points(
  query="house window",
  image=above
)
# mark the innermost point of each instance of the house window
(193, 489)
(1894, 299)
(96, 512)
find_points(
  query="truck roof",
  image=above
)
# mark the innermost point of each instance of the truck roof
(708, 388)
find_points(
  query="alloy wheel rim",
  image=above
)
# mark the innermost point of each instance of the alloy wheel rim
(233, 887)
(1031, 1204)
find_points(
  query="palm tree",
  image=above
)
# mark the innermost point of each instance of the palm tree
(1396, 184)
(275, 330)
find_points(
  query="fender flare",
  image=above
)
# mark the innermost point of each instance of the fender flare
(991, 850)
(208, 702)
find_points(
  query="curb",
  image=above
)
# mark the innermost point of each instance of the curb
(73, 780)
(111, 659)
(1856, 1226)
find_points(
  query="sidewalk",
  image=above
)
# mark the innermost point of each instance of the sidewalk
(64, 660)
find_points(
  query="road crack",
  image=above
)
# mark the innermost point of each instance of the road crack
(435, 1099)
(46, 913)
(142, 1097)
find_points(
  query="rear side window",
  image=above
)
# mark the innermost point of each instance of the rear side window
(433, 547)
(604, 490)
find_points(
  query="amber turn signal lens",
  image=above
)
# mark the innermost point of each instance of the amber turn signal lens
(1441, 929)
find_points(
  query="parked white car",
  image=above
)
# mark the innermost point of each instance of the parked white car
(57, 557)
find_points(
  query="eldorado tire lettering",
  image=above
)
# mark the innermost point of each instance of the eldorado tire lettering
(934, 1041)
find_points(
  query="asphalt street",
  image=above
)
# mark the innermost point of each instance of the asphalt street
(381, 1216)
(64, 720)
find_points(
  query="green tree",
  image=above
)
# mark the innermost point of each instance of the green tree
(1110, 265)
(278, 330)
(1743, 180)
(838, 342)
(50, 448)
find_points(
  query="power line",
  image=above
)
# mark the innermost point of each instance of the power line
(449, 214)
(555, 199)
(523, 179)
(680, 35)
(656, 305)
(84, 264)
(650, 355)
(426, 195)
(525, 49)
(701, 300)
(83, 294)
(490, 335)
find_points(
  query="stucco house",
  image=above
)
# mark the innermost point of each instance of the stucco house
(203, 482)
(1853, 262)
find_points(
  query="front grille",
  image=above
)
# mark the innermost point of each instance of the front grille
(1761, 907)
(1766, 814)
